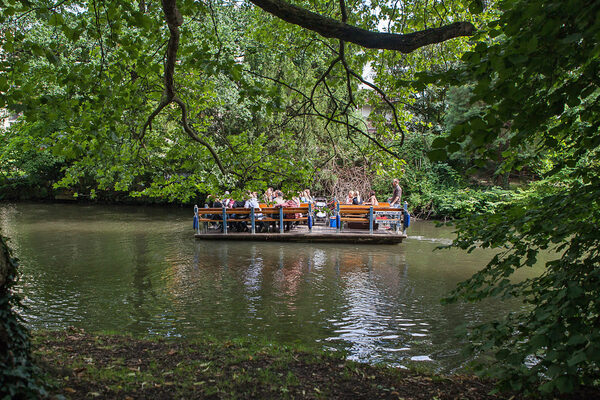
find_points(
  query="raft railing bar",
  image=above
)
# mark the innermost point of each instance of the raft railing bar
(224, 220)
(267, 210)
(253, 222)
(338, 220)
(371, 219)
(280, 219)
(204, 223)
(196, 219)
(310, 218)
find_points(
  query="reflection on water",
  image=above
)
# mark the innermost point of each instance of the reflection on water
(134, 269)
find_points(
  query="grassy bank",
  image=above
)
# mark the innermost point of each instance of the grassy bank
(80, 365)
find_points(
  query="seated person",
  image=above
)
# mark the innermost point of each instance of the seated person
(238, 226)
(227, 201)
(252, 202)
(295, 202)
(213, 202)
(278, 200)
(356, 200)
(268, 196)
(305, 197)
(350, 198)
(372, 201)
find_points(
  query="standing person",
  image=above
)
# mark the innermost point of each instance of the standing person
(396, 200)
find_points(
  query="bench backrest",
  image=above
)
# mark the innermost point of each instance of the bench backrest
(381, 204)
(264, 210)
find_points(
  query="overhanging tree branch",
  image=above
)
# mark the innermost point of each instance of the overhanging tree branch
(192, 133)
(331, 28)
(174, 21)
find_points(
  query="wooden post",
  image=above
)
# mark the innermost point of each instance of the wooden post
(309, 218)
(371, 219)
(280, 219)
(252, 220)
(224, 220)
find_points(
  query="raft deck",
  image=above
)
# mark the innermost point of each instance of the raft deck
(323, 235)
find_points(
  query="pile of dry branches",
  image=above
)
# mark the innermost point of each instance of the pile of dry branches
(346, 178)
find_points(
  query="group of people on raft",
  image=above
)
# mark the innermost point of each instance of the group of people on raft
(276, 198)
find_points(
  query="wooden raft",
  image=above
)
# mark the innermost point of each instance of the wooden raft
(303, 215)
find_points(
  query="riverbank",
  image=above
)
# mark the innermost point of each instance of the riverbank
(449, 203)
(81, 365)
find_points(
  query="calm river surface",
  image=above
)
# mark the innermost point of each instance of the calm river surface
(139, 270)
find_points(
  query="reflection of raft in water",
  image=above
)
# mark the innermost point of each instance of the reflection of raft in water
(297, 224)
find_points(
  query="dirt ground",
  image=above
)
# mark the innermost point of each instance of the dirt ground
(79, 365)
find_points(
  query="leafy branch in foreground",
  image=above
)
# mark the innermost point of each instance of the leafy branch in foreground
(539, 76)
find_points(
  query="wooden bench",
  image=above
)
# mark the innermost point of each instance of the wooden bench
(366, 215)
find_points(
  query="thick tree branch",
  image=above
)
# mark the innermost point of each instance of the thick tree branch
(174, 21)
(384, 97)
(192, 133)
(332, 28)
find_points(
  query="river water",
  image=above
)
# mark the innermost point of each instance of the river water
(139, 270)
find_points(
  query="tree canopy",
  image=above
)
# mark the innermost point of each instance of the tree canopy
(128, 86)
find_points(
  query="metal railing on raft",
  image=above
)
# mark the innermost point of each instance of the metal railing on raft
(279, 212)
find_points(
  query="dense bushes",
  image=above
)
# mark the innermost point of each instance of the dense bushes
(438, 189)
(462, 202)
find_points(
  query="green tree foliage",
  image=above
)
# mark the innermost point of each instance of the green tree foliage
(27, 166)
(92, 79)
(538, 75)
(276, 105)
(274, 101)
